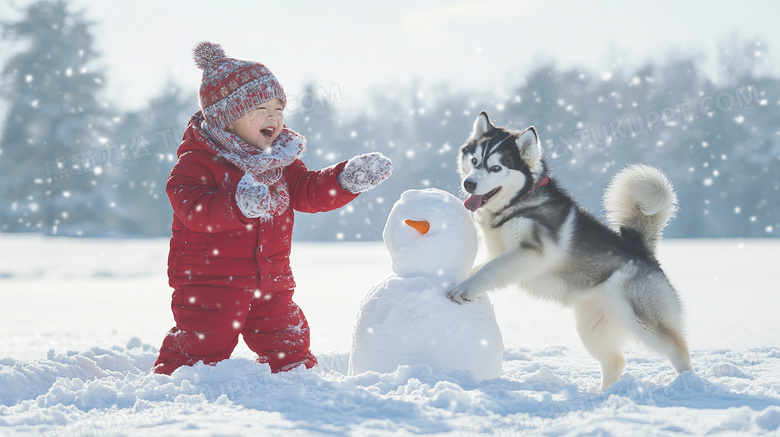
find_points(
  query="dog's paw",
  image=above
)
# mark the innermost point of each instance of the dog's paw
(461, 293)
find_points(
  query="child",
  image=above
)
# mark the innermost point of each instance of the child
(233, 191)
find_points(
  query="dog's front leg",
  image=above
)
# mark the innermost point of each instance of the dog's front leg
(476, 268)
(495, 273)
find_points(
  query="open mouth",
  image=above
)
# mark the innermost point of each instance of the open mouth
(477, 201)
(268, 132)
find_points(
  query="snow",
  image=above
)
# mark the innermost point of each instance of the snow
(82, 319)
(406, 319)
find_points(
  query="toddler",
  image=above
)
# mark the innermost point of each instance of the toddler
(233, 190)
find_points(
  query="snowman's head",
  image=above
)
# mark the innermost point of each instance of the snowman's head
(430, 233)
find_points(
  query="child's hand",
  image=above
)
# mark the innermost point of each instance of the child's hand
(365, 172)
(253, 199)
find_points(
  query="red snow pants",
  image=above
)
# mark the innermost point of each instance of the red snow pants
(209, 320)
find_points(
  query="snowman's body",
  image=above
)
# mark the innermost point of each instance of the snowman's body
(407, 318)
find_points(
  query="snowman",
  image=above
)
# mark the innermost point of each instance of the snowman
(407, 318)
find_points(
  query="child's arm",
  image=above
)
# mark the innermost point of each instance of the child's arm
(198, 201)
(334, 187)
(316, 190)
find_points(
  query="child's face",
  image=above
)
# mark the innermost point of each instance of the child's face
(260, 126)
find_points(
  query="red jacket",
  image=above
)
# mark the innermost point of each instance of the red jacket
(213, 243)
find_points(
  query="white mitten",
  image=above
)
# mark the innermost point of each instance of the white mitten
(252, 198)
(365, 172)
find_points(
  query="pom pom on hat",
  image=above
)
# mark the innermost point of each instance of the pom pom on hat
(207, 53)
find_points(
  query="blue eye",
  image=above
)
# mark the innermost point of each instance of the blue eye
(474, 161)
(495, 168)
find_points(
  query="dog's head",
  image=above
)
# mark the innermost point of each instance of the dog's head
(498, 164)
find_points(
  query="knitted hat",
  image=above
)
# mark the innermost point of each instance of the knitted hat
(232, 87)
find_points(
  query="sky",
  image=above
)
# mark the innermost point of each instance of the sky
(355, 47)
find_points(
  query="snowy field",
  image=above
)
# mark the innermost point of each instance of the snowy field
(81, 321)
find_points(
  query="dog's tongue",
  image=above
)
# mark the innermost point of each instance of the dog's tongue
(473, 203)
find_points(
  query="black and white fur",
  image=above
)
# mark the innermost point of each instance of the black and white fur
(539, 239)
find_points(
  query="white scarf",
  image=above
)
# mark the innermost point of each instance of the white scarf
(261, 192)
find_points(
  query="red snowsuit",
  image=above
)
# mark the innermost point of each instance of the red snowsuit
(231, 274)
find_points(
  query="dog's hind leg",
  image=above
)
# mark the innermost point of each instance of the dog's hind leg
(666, 340)
(603, 334)
(657, 323)
(678, 352)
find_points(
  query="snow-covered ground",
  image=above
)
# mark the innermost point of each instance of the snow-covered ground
(81, 321)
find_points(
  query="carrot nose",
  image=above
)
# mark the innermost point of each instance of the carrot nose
(420, 226)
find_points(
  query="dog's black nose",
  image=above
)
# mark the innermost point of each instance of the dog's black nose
(469, 186)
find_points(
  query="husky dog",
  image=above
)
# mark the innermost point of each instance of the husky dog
(538, 238)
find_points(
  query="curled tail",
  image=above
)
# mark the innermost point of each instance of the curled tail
(641, 198)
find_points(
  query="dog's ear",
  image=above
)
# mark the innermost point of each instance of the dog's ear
(481, 125)
(528, 145)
